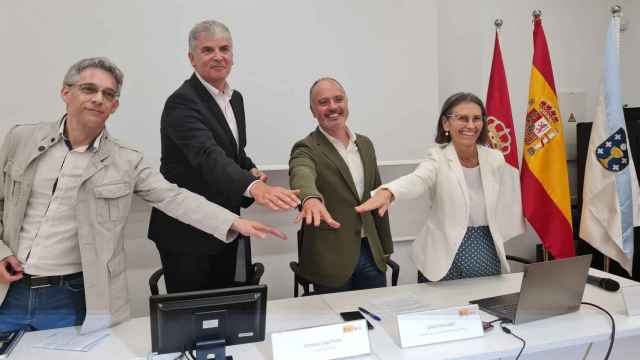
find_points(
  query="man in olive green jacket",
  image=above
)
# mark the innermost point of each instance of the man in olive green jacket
(335, 171)
(67, 188)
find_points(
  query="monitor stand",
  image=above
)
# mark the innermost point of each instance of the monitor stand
(212, 347)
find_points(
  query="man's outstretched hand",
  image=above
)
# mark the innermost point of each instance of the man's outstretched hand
(313, 212)
(255, 229)
(275, 197)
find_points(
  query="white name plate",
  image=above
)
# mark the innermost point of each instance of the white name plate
(323, 342)
(631, 296)
(434, 326)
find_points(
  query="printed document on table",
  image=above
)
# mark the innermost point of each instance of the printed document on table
(310, 311)
(399, 303)
(70, 339)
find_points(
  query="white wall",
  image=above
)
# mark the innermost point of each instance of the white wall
(575, 32)
(280, 48)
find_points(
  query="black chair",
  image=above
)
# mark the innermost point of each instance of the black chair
(254, 271)
(301, 281)
(518, 259)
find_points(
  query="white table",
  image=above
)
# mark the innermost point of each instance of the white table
(568, 336)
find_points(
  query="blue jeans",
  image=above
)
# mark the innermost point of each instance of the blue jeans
(365, 276)
(43, 308)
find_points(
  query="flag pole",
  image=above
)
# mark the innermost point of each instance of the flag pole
(616, 11)
(545, 253)
(536, 14)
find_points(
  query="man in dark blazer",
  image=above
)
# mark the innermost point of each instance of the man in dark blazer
(203, 136)
(335, 171)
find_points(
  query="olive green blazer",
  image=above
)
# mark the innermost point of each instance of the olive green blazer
(329, 256)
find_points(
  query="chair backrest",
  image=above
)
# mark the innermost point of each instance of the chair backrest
(252, 271)
(299, 280)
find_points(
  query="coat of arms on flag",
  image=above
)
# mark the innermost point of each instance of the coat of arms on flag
(499, 137)
(540, 127)
(612, 153)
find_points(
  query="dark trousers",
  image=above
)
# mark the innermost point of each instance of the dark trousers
(193, 272)
(366, 275)
(422, 278)
(43, 308)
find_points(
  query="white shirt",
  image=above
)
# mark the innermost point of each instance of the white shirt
(48, 239)
(477, 211)
(351, 157)
(223, 99)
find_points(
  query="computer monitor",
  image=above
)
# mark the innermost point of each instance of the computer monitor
(207, 321)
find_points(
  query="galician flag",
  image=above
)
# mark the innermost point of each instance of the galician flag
(546, 202)
(500, 121)
(610, 205)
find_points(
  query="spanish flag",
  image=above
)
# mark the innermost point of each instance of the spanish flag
(544, 177)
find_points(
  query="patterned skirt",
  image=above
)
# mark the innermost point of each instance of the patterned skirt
(476, 255)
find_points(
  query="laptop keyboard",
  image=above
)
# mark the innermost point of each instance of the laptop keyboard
(509, 310)
(501, 306)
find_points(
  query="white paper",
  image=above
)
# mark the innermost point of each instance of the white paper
(95, 321)
(168, 356)
(428, 327)
(323, 342)
(71, 339)
(399, 303)
(631, 295)
(290, 315)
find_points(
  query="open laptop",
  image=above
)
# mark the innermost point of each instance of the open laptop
(548, 289)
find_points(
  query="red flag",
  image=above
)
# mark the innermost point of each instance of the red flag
(544, 178)
(499, 120)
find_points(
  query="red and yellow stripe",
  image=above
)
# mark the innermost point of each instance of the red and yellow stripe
(546, 199)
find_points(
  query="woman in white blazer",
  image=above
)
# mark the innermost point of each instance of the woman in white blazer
(474, 198)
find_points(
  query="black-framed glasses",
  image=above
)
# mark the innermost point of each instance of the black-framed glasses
(464, 119)
(91, 89)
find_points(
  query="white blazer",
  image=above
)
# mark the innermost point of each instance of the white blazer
(440, 178)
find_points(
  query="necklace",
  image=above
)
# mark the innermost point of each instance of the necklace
(469, 162)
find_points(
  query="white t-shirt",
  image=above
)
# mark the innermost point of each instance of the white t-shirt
(477, 207)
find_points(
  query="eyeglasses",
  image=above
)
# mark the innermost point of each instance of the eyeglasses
(90, 89)
(464, 119)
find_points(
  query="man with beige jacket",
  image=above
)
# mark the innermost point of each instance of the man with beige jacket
(67, 188)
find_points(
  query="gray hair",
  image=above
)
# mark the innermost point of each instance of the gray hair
(326, 78)
(213, 28)
(102, 63)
